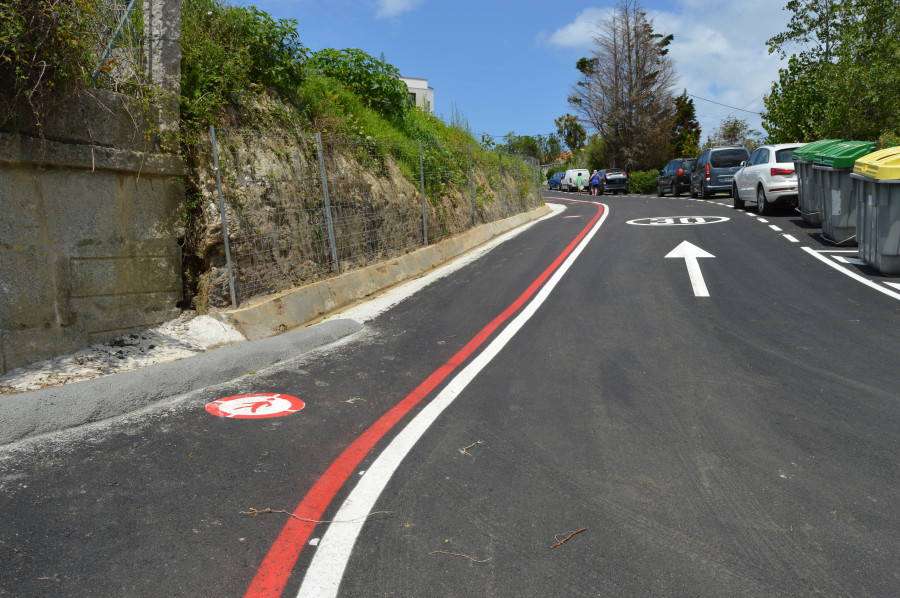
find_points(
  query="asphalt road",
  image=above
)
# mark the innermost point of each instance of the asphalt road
(743, 443)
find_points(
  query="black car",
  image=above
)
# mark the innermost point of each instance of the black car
(675, 177)
(614, 180)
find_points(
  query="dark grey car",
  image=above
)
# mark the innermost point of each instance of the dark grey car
(614, 180)
(715, 168)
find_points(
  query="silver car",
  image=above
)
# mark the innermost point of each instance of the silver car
(767, 178)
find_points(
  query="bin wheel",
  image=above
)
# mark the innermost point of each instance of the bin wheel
(676, 190)
(762, 206)
(659, 190)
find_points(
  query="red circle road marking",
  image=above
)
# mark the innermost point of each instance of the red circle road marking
(255, 406)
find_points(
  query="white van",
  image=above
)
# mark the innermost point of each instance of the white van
(568, 181)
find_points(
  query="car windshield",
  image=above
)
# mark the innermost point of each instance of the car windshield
(785, 155)
(728, 157)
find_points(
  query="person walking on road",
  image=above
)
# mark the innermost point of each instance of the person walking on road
(595, 183)
(579, 182)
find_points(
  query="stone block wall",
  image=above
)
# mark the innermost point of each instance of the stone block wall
(90, 223)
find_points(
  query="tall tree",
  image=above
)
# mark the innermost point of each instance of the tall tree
(685, 128)
(735, 131)
(625, 88)
(571, 131)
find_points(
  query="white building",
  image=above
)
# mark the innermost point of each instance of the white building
(420, 93)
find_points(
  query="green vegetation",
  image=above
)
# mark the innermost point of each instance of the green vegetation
(45, 53)
(843, 81)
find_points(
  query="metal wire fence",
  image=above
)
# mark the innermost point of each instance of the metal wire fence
(297, 208)
(119, 29)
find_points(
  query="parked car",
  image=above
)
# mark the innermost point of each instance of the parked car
(675, 177)
(568, 181)
(767, 178)
(614, 180)
(715, 168)
(555, 179)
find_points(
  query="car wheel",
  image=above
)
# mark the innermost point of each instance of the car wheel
(736, 199)
(675, 190)
(704, 192)
(693, 193)
(762, 206)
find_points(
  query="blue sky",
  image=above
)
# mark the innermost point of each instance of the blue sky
(509, 66)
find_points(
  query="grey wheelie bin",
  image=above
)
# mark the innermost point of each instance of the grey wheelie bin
(807, 192)
(832, 167)
(876, 182)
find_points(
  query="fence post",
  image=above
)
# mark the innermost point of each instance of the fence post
(335, 264)
(502, 203)
(215, 149)
(472, 186)
(422, 182)
(519, 181)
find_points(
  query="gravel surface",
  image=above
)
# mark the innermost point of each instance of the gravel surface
(185, 336)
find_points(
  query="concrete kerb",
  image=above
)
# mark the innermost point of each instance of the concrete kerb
(274, 314)
(51, 409)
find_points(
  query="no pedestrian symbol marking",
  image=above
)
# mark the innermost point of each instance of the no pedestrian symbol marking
(255, 406)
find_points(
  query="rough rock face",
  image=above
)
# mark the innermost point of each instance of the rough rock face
(276, 218)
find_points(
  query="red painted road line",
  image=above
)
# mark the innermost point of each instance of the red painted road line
(273, 573)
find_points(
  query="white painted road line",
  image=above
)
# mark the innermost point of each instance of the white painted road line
(896, 285)
(850, 260)
(763, 220)
(824, 259)
(775, 228)
(323, 577)
(792, 238)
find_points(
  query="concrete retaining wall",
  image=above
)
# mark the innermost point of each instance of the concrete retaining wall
(90, 221)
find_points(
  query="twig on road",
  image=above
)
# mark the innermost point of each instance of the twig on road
(558, 541)
(465, 450)
(460, 554)
(254, 513)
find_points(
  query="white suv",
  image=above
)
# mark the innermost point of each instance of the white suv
(768, 177)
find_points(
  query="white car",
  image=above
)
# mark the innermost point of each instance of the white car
(767, 178)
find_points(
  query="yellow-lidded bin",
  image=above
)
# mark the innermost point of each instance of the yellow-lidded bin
(883, 164)
(876, 184)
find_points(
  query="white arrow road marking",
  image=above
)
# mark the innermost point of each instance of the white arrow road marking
(691, 253)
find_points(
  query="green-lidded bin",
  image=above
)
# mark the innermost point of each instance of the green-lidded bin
(832, 167)
(807, 195)
(876, 183)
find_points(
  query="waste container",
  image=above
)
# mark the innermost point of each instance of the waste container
(876, 183)
(832, 167)
(807, 196)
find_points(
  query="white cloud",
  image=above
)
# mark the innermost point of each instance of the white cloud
(579, 33)
(392, 8)
(719, 51)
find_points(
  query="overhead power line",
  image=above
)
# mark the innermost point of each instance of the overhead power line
(725, 105)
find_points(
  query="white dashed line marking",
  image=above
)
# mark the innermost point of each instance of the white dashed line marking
(763, 220)
(792, 238)
(849, 260)
(775, 228)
